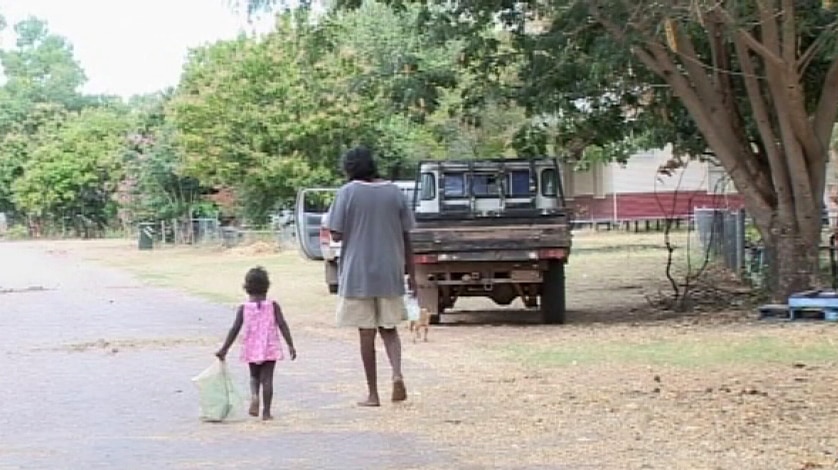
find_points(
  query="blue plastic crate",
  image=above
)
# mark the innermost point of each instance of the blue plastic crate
(825, 302)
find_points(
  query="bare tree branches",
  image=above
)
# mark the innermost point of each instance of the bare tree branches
(753, 43)
(779, 173)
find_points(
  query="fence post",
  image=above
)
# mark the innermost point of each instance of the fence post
(740, 242)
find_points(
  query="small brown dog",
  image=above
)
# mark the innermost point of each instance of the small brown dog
(420, 327)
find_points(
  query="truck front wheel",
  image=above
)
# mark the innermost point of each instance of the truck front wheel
(553, 294)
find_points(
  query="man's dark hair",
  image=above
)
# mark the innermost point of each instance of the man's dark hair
(256, 281)
(359, 164)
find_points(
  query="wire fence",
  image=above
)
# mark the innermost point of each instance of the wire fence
(721, 233)
(280, 234)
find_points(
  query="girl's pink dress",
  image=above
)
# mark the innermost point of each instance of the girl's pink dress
(261, 341)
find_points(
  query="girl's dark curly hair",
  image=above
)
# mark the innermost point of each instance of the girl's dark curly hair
(359, 164)
(257, 282)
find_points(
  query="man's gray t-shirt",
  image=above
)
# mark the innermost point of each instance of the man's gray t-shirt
(372, 217)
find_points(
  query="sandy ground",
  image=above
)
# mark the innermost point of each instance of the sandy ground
(621, 386)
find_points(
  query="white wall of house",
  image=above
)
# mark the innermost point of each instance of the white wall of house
(640, 175)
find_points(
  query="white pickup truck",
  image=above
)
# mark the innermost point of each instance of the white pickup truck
(330, 250)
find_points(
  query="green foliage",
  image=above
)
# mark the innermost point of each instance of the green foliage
(41, 79)
(40, 69)
(17, 232)
(264, 116)
(269, 116)
(248, 112)
(73, 173)
(154, 187)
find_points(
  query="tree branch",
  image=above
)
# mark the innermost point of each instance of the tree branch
(789, 47)
(827, 110)
(814, 149)
(739, 160)
(620, 34)
(809, 54)
(753, 43)
(778, 170)
(696, 71)
(800, 144)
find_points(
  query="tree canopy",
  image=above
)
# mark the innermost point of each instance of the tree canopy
(750, 85)
(252, 120)
(753, 85)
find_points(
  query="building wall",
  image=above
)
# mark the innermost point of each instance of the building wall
(640, 174)
(650, 206)
(637, 190)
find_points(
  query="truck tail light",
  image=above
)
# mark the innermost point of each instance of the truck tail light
(424, 259)
(552, 253)
(325, 236)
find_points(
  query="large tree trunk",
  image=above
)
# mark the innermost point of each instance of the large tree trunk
(779, 169)
(791, 260)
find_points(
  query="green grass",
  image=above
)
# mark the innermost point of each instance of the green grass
(685, 352)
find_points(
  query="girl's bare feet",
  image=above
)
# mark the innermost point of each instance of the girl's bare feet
(372, 401)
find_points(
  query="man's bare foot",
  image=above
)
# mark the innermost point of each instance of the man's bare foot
(370, 402)
(399, 390)
(267, 417)
(254, 407)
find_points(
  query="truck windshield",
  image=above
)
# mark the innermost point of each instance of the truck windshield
(515, 183)
(483, 185)
(455, 185)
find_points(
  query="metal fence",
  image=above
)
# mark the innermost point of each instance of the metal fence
(721, 233)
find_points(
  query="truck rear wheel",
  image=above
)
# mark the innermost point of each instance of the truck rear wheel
(553, 294)
(435, 318)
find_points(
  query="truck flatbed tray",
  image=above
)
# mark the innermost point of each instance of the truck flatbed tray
(523, 217)
(489, 238)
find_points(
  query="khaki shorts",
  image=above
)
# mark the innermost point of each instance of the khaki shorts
(373, 312)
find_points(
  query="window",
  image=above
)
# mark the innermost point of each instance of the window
(485, 185)
(519, 183)
(427, 187)
(454, 185)
(549, 183)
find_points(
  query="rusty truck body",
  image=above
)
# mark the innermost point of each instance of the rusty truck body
(491, 228)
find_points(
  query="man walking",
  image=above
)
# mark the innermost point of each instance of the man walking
(372, 220)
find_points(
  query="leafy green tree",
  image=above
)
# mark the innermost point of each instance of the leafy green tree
(40, 68)
(269, 116)
(73, 173)
(154, 188)
(753, 85)
(41, 84)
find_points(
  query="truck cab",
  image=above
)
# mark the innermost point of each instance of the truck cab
(488, 188)
(495, 228)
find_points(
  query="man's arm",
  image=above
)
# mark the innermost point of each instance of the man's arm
(337, 217)
(408, 222)
(231, 336)
(409, 263)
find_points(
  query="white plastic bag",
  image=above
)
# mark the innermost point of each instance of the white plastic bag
(219, 398)
(412, 305)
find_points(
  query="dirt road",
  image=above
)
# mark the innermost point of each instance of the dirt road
(95, 374)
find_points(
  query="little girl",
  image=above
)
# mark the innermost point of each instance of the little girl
(261, 347)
